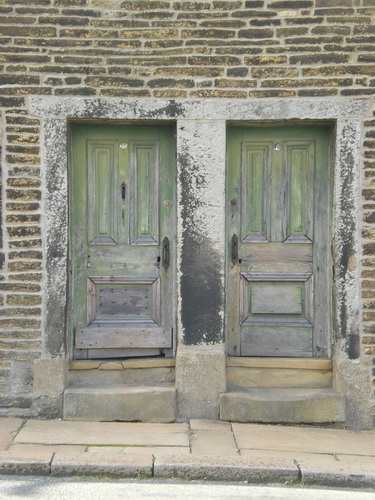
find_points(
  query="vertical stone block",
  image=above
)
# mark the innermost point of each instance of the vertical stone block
(56, 234)
(200, 379)
(1, 198)
(201, 225)
(200, 363)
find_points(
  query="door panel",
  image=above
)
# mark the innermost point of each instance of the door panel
(278, 288)
(121, 211)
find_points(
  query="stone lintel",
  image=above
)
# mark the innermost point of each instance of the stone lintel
(200, 109)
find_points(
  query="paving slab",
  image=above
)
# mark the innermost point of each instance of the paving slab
(305, 439)
(272, 456)
(33, 462)
(8, 430)
(103, 433)
(355, 464)
(146, 450)
(209, 425)
(112, 464)
(224, 468)
(337, 470)
(324, 469)
(212, 443)
(280, 459)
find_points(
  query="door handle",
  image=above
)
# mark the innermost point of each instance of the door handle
(166, 253)
(234, 249)
(123, 191)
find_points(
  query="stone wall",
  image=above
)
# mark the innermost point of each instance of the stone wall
(244, 49)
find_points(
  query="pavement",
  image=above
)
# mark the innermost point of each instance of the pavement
(197, 450)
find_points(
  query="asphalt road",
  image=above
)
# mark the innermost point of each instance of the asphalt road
(41, 488)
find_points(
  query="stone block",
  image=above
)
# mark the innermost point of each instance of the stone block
(20, 378)
(216, 468)
(26, 463)
(120, 402)
(200, 379)
(118, 375)
(50, 377)
(282, 406)
(278, 377)
(112, 464)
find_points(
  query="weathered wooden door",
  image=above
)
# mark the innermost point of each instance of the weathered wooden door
(278, 226)
(122, 220)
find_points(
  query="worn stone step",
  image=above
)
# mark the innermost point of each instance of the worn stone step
(130, 372)
(279, 372)
(120, 402)
(279, 405)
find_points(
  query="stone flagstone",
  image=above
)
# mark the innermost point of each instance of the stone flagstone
(8, 430)
(145, 450)
(210, 425)
(103, 433)
(306, 439)
(213, 443)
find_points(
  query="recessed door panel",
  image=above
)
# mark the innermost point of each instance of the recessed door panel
(121, 211)
(278, 212)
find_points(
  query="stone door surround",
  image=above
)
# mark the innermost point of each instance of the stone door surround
(201, 164)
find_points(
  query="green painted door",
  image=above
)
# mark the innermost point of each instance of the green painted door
(278, 228)
(122, 235)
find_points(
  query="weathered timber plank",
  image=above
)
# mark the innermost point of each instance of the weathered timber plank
(123, 338)
(279, 377)
(276, 341)
(301, 364)
(121, 353)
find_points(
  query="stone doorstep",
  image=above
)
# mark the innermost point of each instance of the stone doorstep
(122, 365)
(120, 402)
(153, 376)
(279, 372)
(282, 405)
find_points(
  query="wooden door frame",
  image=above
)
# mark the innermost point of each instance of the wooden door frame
(162, 333)
(237, 277)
